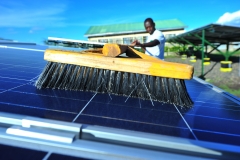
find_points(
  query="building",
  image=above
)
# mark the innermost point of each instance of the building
(128, 32)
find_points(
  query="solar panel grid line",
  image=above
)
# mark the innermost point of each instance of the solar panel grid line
(229, 126)
(47, 156)
(22, 52)
(38, 112)
(141, 120)
(45, 95)
(234, 105)
(19, 79)
(209, 123)
(13, 88)
(140, 106)
(73, 95)
(84, 108)
(10, 68)
(221, 99)
(192, 109)
(230, 99)
(34, 107)
(23, 69)
(19, 76)
(10, 60)
(213, 107)
(135, 126)
(5, 85)
(13, 80)
(30, 63)
(49, 95)
(217, 106)
(21, 65)
(203, 115)
(134, 121)
(75, 107)
(54, 96)
(224, 133)
(220, 118)
(5, 68)
(186, 123)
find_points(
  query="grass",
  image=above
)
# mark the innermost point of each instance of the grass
(215, 77)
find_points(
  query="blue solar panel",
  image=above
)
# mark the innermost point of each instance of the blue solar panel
(10, 152)
(214, 117)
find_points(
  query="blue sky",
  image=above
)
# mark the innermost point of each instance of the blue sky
(34, 21)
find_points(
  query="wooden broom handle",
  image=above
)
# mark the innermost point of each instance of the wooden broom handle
(113, 50)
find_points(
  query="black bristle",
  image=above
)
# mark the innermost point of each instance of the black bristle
(66, 78)
(89, 79)
(111, 81)
(73, 77)
(46, 75)
(92, 82)
(158, 87)
(134, 84)
(152, 83)
(117, 83)
(125, 83)
(104, 77)
(85, 78)
(73, 80)
(60, 75)
(140, 87)
(99, 80)
(79, 78)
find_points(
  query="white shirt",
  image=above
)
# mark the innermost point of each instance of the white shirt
(157, 51)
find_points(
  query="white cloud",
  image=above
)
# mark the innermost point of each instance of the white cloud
(35, 29)
(29, 15)
(230, 19)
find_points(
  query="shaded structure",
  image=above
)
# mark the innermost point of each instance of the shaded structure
(213, 35)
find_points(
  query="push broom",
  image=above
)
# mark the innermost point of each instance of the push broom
(106, 71)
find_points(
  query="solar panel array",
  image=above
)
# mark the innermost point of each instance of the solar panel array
(214, 117)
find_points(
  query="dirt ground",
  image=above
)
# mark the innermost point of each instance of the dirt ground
(212, 73)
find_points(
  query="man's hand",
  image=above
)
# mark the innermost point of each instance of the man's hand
(135, 43)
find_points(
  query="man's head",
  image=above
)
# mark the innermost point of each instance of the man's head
(149, 25)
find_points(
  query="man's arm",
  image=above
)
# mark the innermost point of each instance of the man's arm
(144, 45)
(149, 44)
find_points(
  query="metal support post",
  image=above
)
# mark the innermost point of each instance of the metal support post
(203, 44)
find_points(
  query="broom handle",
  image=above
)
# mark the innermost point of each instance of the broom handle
(113, 50)
(154, 67)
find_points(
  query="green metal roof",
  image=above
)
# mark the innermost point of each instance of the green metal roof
(132, 27)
